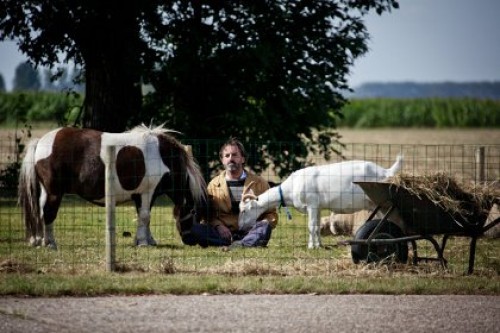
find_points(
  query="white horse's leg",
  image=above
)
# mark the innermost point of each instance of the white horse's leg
(313, 216)
(313, 213)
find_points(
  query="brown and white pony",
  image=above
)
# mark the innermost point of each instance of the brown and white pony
(149, 162)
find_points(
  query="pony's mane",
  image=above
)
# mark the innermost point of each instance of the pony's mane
(160, 129)
(196, 181)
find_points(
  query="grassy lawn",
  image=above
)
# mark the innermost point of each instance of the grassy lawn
(285, 266)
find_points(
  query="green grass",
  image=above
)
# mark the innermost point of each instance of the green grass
(285, 266)
(188, 284)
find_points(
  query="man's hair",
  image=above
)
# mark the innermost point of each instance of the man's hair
(232, 141)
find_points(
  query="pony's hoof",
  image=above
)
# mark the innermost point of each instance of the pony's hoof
(141, 242)
(35, 241)
(51, 245)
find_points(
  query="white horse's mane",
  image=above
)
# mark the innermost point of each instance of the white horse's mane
(151, 129)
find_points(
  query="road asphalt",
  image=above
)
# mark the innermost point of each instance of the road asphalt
(251, 313)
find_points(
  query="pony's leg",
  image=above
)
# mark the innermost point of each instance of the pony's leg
(313, 213)
(36, 238)
(143, 236)
(48, 237)
(35, 232)
(50, 209)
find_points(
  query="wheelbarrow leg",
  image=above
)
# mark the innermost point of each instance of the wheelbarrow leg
(415, 254)
(439, 250)
(472, 255)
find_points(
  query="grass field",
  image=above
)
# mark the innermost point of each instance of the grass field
(285, 266)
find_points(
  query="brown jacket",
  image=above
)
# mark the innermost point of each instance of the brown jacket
(219, 193)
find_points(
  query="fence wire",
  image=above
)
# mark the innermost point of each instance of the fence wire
(80, 226)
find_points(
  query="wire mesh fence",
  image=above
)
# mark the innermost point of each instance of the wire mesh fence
(80, 226)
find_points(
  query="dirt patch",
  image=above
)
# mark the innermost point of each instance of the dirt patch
(477, 136)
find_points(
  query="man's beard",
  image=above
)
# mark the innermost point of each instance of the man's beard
(232, 166)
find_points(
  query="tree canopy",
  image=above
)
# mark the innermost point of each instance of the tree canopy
(2, 84)
(264, 71)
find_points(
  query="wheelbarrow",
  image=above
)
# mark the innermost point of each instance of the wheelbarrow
(408, 217)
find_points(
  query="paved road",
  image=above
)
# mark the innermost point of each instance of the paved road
(252, 313)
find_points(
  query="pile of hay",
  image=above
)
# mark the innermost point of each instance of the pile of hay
(456, 197)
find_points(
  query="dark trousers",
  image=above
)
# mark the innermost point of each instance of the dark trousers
(206, 235)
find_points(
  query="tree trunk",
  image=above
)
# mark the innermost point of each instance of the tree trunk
(112, 96)
(113, 73)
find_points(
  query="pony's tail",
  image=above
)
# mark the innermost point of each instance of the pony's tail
(28, 193)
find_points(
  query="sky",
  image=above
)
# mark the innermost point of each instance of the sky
(433, 41)
(422, 41)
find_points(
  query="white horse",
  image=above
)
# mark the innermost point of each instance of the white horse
(318, 187)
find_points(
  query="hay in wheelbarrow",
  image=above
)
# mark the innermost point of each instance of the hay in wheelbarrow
(465, 199)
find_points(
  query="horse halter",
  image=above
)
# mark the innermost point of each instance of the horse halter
(191, 215)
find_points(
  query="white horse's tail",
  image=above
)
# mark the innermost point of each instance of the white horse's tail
(28, 194)
(395, 167)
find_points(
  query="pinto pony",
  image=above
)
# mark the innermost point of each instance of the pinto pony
(149, 162)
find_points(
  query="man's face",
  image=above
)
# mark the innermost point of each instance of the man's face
(232, 159)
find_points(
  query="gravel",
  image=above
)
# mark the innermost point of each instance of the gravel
(251, 313)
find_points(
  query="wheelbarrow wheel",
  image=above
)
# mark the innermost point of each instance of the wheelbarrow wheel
(378, 252)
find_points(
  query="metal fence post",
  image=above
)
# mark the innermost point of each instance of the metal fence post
(480, 165)
(110, 208)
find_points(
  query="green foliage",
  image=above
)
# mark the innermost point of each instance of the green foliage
(259, 70)
(32, 107)
(2, 84)
(432, 112)
(264, 72)
(10, 174)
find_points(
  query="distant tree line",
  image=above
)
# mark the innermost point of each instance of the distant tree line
(482, 90)
(27, 78)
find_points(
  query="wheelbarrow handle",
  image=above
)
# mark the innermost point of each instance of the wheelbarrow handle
(379, 225)
(491, 224)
